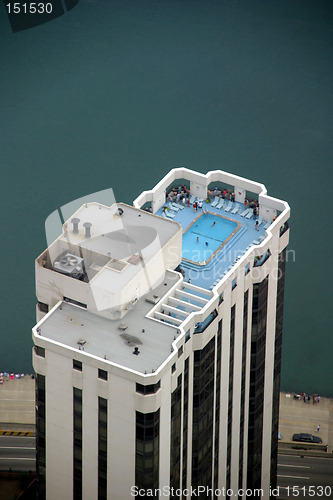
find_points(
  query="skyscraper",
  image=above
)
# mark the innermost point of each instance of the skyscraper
(158, 343)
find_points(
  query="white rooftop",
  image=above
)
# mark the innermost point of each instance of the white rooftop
(67, 324)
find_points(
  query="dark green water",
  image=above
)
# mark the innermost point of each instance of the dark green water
(115, 93)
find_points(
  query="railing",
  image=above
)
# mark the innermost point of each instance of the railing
(201, 326)
(260, 260)
(284, 228)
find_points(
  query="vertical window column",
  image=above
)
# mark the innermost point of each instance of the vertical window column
(40, 437)
(257, 382)
(231, 386)
(147, 450)
(217, 404)
(77, 444)
(102, 447)
(242, 408)
(185, 423)
(277, 366)
(176, 406)
(203, 415)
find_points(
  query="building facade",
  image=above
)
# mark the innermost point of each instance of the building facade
(158, 343)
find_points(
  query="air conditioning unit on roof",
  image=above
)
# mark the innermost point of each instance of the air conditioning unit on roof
(71, 265)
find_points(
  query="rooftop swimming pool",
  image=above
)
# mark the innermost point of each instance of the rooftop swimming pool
(205, 236)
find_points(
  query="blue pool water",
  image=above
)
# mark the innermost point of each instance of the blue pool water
(204, 237)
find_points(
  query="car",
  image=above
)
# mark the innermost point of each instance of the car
(307, 438)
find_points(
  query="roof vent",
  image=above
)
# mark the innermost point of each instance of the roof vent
(120, 211)
(152, 299)
(136, 351)
(81, 343)
(122, 326)
(87, 226)
(75, 221)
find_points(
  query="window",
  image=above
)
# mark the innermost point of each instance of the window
(187, 335)
(180, 351)
(175, 436)
(221, 298)
(173, 368)
(148, 389)
(77, 444)
(102, 374)
(75, 302)
(147, 450)
(203, 415)
(40, 351)
(234, 284)
(247, 269)
(77, 365)
(43, 307)
(102, 447)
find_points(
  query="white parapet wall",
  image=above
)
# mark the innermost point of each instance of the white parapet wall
(199, 183)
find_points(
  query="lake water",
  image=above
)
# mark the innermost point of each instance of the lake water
(115, 94)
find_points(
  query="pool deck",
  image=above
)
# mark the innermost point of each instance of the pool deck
(205, 275)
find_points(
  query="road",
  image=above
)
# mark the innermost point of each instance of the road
(312, 475)
(17, 453)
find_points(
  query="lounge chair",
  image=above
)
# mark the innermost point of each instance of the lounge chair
(259, 220)
(245, 212)
(235, 209)
(261, 238)
(215, 202)
(220, 204)
(268, 223)
(229, 207)
(172, 207)
(256, 242)
(177, 206)
(170, 215)
(250, 213)
(192, 199)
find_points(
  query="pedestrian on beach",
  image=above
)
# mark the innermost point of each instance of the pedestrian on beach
(318, 428)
